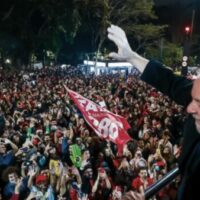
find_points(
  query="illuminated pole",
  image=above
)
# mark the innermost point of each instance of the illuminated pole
(192, 24)
(187, 45)
(186, 51)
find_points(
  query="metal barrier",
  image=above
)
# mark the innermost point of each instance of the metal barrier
(153, 189)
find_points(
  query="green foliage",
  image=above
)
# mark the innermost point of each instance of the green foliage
(166, 52)
(30, 28)
(135, 17)
(37, 25)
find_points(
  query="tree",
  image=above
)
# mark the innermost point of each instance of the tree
(36, 26)
(169, 53)
(133, 16)
(136, 18)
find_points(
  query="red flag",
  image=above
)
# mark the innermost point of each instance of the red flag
(106, 125)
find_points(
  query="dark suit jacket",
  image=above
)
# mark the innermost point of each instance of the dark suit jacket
(179, 88)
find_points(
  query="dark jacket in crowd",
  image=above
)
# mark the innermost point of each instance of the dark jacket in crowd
(179, 89)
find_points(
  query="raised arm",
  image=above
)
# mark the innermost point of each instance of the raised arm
(178, 88)
(118, 36)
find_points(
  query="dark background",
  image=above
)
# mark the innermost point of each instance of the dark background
(30, 25)
(178, 14)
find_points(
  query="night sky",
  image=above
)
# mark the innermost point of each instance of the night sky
(178, 14)
(168, 2)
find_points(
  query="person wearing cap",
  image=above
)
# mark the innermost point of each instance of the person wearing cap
(40, 189)
(184, 92)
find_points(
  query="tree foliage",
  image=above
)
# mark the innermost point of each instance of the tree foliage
(135, 17)
(69, 28)
(37, 25)
(167, 52)
(139, 24)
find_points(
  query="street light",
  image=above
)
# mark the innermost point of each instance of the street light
(7, 61)
(186, 50)
(187, 30)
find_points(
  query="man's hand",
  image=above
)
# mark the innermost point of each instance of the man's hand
(118, 36)
(133, 196)
(18, 185)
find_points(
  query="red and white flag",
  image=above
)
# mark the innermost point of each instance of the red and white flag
(106, 124)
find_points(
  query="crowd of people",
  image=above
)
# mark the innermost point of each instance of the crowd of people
(47, 150)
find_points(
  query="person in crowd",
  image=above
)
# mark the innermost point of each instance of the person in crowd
(87, 180)
(16, 187)
(102, 185)
(40, 189)
(7, 152)
(184, 92)
(42, 130)
(138, 161)
(116, 193)
(142, 181)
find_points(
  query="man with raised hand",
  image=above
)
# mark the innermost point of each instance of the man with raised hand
(184, 92)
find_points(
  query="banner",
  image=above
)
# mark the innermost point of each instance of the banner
(106, 125)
